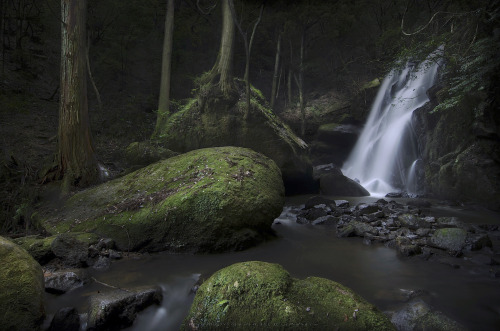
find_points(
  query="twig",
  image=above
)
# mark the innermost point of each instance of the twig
(107, 285)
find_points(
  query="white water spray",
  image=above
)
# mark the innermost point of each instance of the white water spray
(386, 153)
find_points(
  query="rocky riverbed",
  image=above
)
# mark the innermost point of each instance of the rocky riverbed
(410, 229)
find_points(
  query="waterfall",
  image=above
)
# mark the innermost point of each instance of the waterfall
(385, 156)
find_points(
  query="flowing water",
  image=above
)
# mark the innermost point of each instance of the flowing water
(386, 155)
(375, 272)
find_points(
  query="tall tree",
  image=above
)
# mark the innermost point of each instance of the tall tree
(275, 72)
(166, 68)
(77, 164)
(248, 49)
(223, 64)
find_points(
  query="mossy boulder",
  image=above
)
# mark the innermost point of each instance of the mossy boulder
(38, 247)
(262, 296)
(450, 239)
(214, 119)
(21, 289)
(211, 199)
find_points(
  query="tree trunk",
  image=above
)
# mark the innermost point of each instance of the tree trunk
(301, 86)
(226, 50)
(2, 29)
(166, 68)
(275, 74)
(223, 64)
(77, 164)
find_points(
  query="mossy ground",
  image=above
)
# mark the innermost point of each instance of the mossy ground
(262, 296)
(206, 200)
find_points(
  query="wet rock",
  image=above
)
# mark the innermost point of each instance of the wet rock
(449, 222)
(317, 200)
(409, 249)
(117, 309)
(367, 208)
(312, 301)
(65, 319)
(73, 248)
(412, 222)
(430, 219)
(478, 241)
(114, 255)
(418, 315)
(342, 203)
(21, 289)
(356, 228)
(59, 282)
(309, 215)
(325, 220)
(423, 232)
(450, 239)
(338, 184)
(102, 263)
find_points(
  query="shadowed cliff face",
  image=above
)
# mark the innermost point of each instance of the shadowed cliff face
(461, 150)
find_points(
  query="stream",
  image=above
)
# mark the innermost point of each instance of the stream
(374, 271)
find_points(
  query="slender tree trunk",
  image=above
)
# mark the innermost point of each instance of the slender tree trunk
(77, 164)
(275, 73)
(301, 86)
(2, 31)
(225, 67)
(224, 63)
(248, 50)
(166, 71)
(289, 86)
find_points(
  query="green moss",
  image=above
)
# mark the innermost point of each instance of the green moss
(39, 248)
(22, 289)
(196, 201)
(262, 296)
(328, 127)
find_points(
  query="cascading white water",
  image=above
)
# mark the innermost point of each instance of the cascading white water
(383, 156)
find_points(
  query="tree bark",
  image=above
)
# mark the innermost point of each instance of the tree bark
(166, 70)
(301, 86)
(275, 73)
(226, 50)
(77, 164)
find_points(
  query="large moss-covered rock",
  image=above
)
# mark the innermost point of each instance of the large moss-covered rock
(206, 200)
(213, 119)
(21, 289)
(262, 296)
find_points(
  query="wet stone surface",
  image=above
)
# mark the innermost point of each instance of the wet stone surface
(407, 229)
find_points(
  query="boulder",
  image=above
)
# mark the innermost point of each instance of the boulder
(65, 319)
(212, 199)
(412, 222)
(355, 228)
(59, 282)
(73, 248)
(117, 309)
(260, 295)
(450, 239)
(317, 200)
(214, 119)
(418, 315)
(340, 185)
(38, 247)
(335, 141)
(21, 289)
